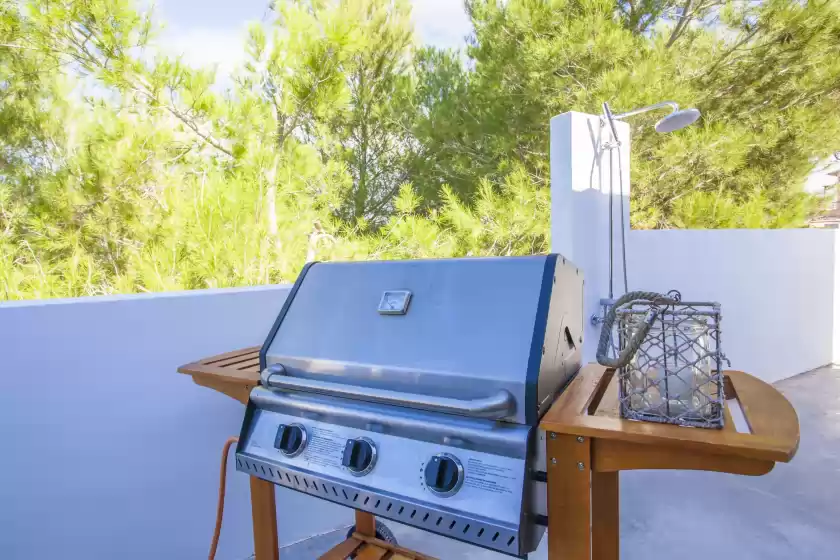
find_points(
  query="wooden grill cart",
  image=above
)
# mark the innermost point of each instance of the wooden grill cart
(587, 446)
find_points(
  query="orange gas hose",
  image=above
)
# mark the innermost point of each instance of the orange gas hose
(221, 505)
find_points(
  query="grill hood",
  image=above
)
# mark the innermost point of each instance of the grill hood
(484, 337)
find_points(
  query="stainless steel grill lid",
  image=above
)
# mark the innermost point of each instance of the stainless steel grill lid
(412, 390)
(469, 330)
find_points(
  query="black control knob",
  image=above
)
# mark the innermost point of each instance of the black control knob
(359, 456)
(444, 474)
(290, 439)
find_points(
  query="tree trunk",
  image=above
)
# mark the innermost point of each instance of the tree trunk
(271, 202)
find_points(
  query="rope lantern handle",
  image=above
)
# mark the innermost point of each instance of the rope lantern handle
(655, 300)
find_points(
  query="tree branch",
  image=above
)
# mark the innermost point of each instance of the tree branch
(685, 17)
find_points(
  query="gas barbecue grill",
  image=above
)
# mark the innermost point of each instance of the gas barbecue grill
(413, 390)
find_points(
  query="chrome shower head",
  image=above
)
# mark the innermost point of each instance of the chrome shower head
(677, 120)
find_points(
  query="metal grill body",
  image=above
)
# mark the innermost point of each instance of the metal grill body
(413, 390)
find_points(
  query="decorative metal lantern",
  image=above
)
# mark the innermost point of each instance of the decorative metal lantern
(669, 359)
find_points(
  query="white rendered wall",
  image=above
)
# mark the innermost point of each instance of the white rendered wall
(107, 451)
(835, 354)
(776, 288)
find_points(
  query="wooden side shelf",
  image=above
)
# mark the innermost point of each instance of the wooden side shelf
(589, 407)
(232, 373)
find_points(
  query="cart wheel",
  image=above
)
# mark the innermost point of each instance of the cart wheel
(383, 533)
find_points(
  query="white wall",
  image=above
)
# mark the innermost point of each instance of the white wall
(776, 288)
(836, 336)
(107, 452)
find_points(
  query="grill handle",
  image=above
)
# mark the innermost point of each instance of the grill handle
(497, 406)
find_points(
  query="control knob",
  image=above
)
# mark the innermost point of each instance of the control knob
(359, 456)
(444, 475)
(290, 439)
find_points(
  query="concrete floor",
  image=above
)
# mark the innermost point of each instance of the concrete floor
(791, 513)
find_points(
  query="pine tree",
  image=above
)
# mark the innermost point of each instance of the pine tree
(340, 139)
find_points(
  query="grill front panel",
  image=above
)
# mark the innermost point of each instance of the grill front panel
(485, 510)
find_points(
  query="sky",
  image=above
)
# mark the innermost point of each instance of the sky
(208, 32)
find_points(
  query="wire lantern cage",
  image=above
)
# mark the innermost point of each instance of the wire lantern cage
(671, 366)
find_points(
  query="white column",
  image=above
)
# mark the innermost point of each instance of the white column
(580, 206)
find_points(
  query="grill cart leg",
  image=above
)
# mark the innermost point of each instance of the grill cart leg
(365, 523)
(382, 533)
(604, 515)
(582, 503)
(264, 514)
(569, 498)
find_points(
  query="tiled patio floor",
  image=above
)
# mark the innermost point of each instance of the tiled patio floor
(791, 513)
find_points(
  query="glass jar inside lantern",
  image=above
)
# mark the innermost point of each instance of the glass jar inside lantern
(674, 376)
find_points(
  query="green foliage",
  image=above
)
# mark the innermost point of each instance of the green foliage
(768, 88)
(340, 138)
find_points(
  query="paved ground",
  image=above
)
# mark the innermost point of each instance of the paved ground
(791, 513)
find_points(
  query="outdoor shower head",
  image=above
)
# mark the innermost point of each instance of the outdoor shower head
(677, 120)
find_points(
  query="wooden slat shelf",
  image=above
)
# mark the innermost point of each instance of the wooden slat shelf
(369, 548)
(232, 373)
